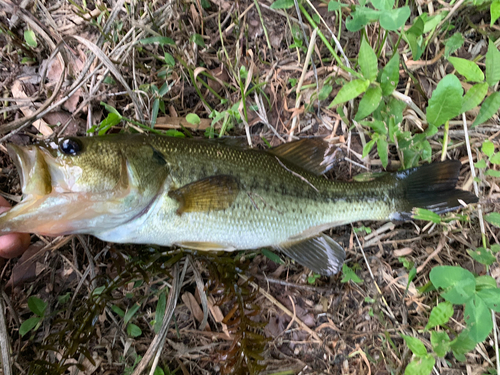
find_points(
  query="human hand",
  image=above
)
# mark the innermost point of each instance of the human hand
(12, 245)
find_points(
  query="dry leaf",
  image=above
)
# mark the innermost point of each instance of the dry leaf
(168, 122)
(25, 269)
(403, 252)
(18, 91)
(193, 306)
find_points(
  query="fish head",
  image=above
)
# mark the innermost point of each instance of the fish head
(82, 185)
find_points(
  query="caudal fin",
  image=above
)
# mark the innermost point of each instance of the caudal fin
(433, 187)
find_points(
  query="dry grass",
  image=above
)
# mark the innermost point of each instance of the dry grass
(96, 55)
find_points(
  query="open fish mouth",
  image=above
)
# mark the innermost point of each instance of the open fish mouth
(45, 208)
(57, 201)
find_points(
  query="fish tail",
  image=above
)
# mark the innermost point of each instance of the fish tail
(433, 187)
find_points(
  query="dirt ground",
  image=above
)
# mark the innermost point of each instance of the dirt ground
(100, 305)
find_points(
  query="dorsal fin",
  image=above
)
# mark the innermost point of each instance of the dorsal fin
(312, 154)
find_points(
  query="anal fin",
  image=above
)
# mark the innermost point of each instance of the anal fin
(321, 254)
(213, 193)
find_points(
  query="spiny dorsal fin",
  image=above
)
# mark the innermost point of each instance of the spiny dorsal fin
(321, 254)
(312, 154)
(213, 193)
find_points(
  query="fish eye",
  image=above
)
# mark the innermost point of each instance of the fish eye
(70, 146)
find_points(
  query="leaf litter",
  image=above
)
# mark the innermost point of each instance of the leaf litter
(236, 62)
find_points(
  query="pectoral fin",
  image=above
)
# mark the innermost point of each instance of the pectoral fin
(209, 194)
(321, 254)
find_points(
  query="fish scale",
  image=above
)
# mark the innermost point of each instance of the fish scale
(212, 195)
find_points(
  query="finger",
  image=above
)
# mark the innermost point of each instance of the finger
(3, 204)
(12, 245)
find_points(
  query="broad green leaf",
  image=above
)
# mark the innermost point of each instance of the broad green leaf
(483, 256)
(98, 291)
(368, 147)
(131, 312)
(462, 344)
(416, 346)
(488, 109)
(491, 297)
(452, 44)
(446, 101)
(495, 158)
(378, 126)
(154, 111)
(159, 371)
(412, 37)
(492, 64)
(110, 109)
(193, 118)
(349, 275)
(37, 306)
(389, 77)
(458, 283)
(160, 310)
(417, 28)
(430, 22)
(485, 282)
(488, 148)
(440, 342)
(361, 17)
(494, 11)
(383, 4)
(495, 248)
(394, 19)
(324, 92)
(395, 108)
(118, 311)
(111, 120)
(272, 256)
(413, 41)
(198, 39)
(493, 173)
(420, 366)
(162, 40)
(350, 91)
(382, 149)
(335, 5)
(481, 164)
(467, 68)
(427, 215)
(493, 218)
(369, 102)
(28, 325)
(282, 4)
(133, 330)
(30, 38)
(169, 59)
(440, 315)
(312, 279)
(474, 96)
(478, 319)
(367, 60)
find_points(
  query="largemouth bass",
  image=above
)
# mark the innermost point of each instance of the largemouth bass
(197, 194)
